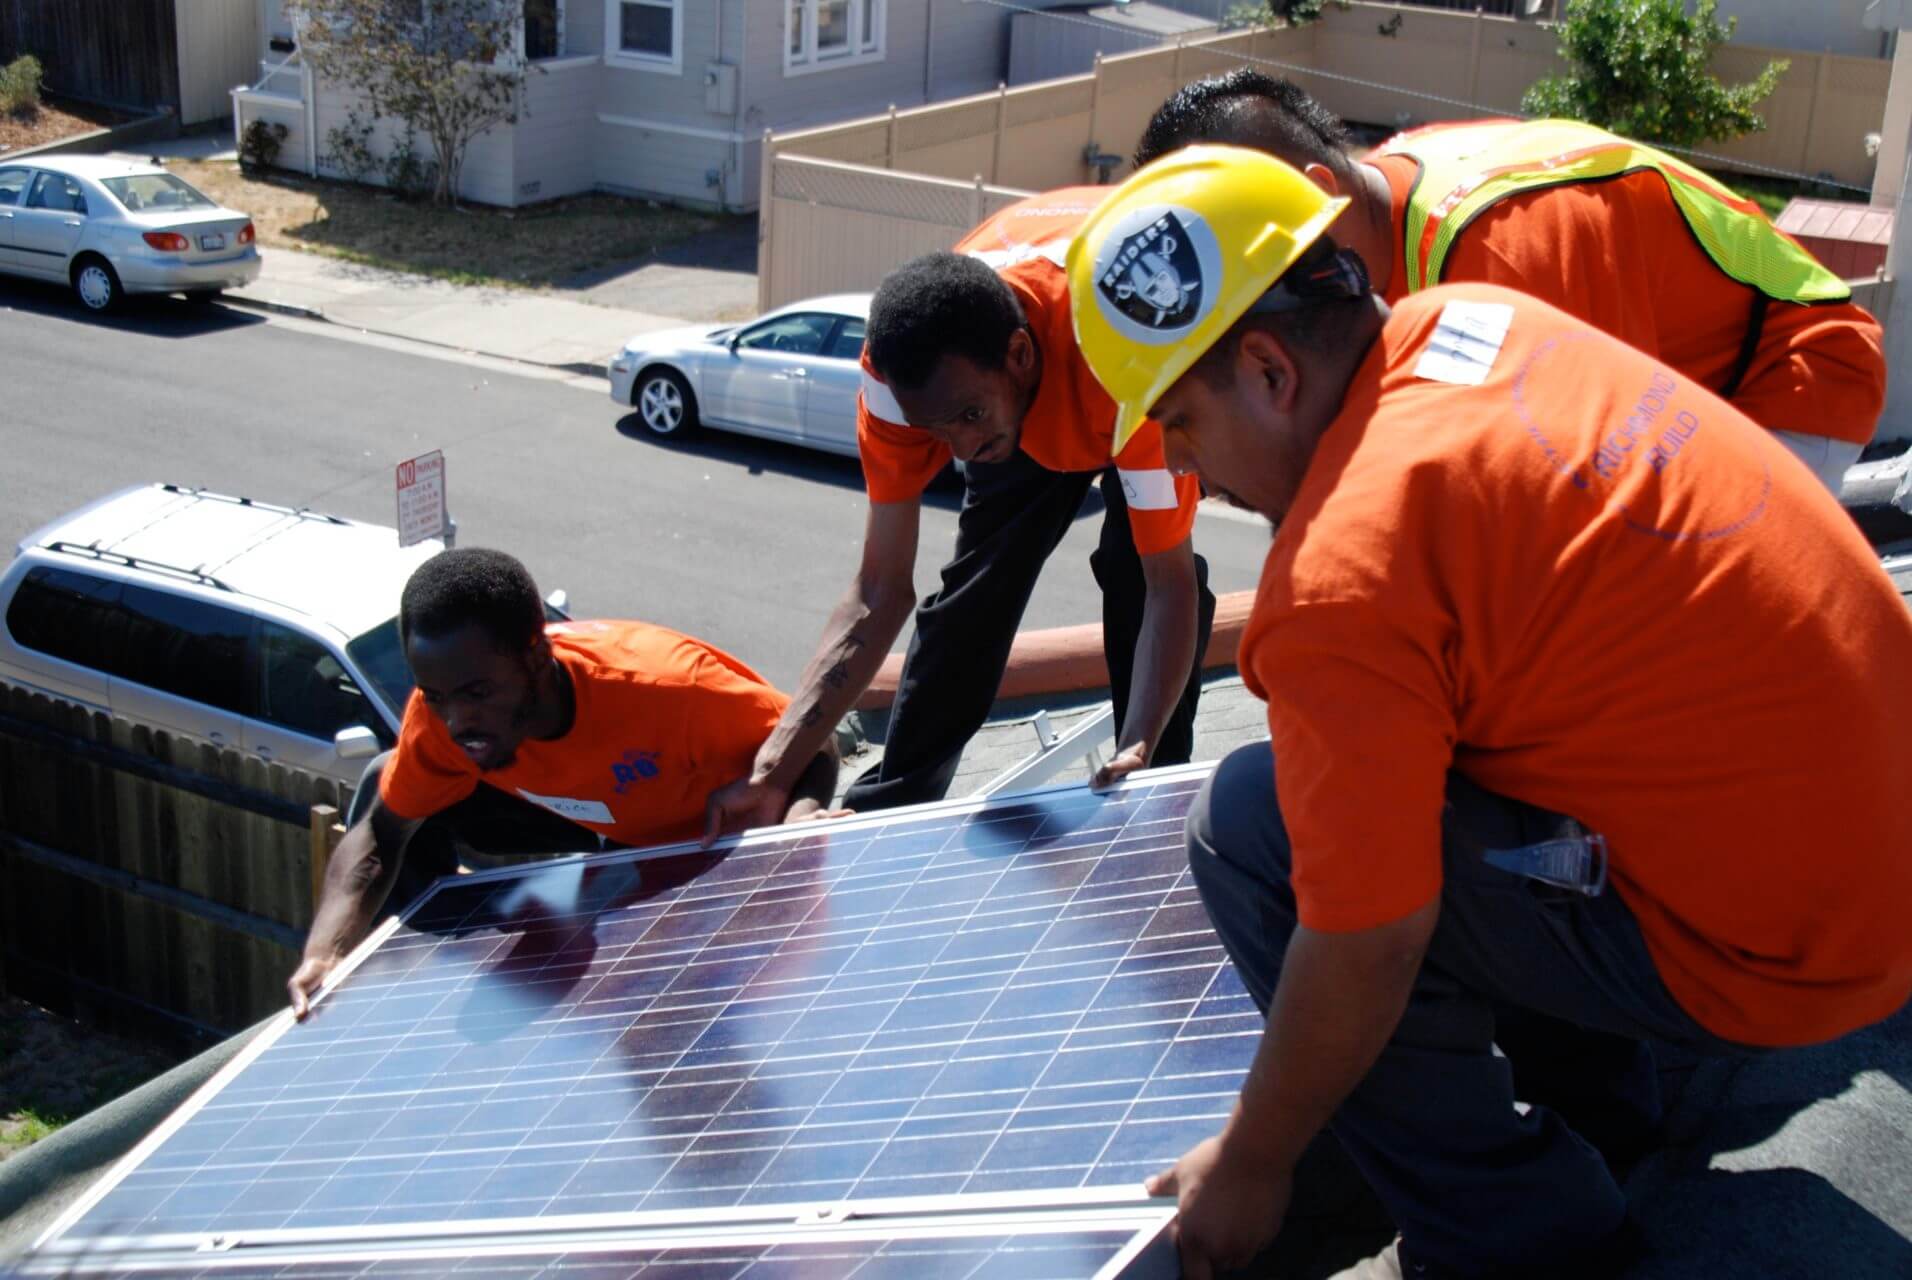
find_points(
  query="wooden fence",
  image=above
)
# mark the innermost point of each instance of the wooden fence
(149, 881)
(1372, 63)
(120, 52)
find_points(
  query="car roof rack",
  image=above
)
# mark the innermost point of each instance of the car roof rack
(304, 513)
(199, 576)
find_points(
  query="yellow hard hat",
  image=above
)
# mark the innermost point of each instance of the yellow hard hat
(1175, 256)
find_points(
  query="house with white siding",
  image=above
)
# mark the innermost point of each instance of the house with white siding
(669, 98)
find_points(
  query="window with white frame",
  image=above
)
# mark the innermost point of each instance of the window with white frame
(820, 34)
(648, 34)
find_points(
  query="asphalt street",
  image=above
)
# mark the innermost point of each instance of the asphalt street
(747, 544)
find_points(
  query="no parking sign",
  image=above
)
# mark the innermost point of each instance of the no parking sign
(421, 499)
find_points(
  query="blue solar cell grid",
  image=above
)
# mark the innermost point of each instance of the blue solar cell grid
(1024, 995)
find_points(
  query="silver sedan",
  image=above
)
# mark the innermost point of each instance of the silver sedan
(789, 375)
(109, 227)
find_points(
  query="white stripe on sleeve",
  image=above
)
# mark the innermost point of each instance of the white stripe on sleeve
(881, 401)
(1152, 490)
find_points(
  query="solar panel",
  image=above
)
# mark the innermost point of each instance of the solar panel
(1126, 1251)
(970, 999)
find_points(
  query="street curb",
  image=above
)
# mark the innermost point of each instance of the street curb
(1069, 659)
(268, 304)
(582, 368)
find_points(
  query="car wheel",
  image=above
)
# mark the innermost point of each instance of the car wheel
(201, 297)
(664, 403)
(97, 285)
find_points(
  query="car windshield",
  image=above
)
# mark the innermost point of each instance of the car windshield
(147, 191)
(379, 655)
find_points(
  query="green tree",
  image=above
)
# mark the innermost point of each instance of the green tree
(447, 69)
(1275, 13)
(1642, 68)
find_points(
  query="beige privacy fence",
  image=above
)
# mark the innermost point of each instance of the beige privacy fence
(829, 227)
(899, 181)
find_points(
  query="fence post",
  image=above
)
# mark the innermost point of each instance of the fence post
(889, 141)
(995, 150)
(766, 203)
(1473, 60)
(323, 833)
(976, 200)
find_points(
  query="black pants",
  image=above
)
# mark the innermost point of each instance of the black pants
(1014, 515)
(1562, 983)
(487, 823)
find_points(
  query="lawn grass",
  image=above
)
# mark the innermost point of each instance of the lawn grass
(537, 246)
(1772, 195)
(54, 1070)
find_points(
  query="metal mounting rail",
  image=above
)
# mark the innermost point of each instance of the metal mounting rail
(1056, 751)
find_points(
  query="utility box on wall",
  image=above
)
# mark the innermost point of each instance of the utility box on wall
(720, 88)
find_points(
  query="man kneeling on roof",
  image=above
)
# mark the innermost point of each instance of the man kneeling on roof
(528, 737)
(1632, 240)
(1585, 732)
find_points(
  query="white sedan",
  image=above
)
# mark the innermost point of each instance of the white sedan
(109, 227)
(789, 375)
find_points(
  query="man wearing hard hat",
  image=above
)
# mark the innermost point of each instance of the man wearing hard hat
(1585, 703)
(1628, 238)
(970, 356)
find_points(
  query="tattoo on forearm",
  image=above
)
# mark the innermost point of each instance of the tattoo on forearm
(810, 716)
(837, 676)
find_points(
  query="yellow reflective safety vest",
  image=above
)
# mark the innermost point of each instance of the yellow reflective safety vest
(1465, 169)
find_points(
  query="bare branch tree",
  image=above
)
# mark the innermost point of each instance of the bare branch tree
(449, 69)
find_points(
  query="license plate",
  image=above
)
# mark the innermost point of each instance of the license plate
(217, 240)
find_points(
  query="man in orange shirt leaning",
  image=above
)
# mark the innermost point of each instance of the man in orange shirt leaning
(1588, 708)
(971, 355)
(528, 737)
(1627, 238)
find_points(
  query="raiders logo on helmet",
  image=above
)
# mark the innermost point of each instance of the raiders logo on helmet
(1154, 273)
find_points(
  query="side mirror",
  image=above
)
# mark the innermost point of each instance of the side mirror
(559, 602)
(355, 743)
(731, 342)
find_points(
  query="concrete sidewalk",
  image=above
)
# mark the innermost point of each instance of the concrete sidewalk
(512, 324)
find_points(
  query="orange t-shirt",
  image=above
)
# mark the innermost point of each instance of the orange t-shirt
(662, 721)
(1070, 425)
(1620, 255)
(1591, 586)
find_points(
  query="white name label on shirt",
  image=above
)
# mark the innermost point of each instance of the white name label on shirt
(1152, 490)
(881, 401)
(576, 810)
(1466, 341)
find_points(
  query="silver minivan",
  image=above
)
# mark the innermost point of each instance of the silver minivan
(261, 628)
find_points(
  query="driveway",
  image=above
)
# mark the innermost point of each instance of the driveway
(707, 277)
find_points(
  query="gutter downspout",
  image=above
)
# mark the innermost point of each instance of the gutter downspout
(311, 118)
(929, 45)
(309, 90)
(737, 110)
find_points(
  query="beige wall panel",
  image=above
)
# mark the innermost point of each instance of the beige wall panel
(1046, 155)
(963, 159)
(219, 48)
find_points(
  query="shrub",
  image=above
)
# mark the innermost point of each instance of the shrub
(408, 170)
(259, 144)
(1274, 13)
(20, 85)
(348, 148)
(1642, 68)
